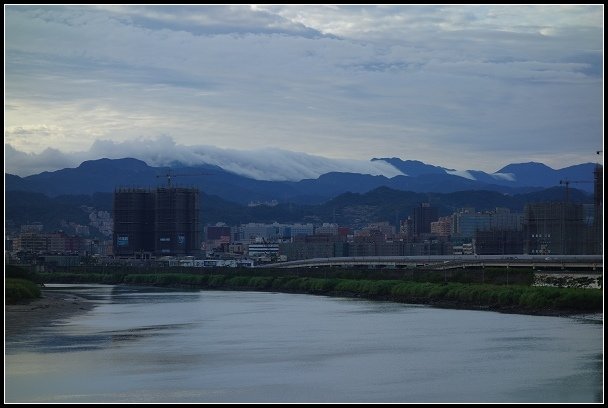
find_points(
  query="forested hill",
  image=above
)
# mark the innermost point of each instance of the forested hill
(349, 209)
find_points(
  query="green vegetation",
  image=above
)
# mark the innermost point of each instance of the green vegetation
(20, 284)
(16, 290)
(18, 272)
(463, 290)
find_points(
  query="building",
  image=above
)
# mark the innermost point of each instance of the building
(252, 232)
(327, 229)
(133, 231)
(554, 229)
(442, 227)
(406, 228)
(217, 232)
(263, 251)
(377, 229)
(31, 242)
(176, 225)
(467, 221)
(423, 216)
(504, 219)
(54, 242)
(301, 229)
(314, 246)
(163, 222)
(499, 242)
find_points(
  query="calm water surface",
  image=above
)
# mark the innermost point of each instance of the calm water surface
(160, 345)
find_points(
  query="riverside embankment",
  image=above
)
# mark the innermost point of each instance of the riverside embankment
(497, 290)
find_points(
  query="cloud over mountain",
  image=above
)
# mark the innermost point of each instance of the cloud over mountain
(261, 164)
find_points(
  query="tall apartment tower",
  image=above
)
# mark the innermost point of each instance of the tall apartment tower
(176, 226)
(157, 222)
(133, 222)
(554, 229)
(423, 216)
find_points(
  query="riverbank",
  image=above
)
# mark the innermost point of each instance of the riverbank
(52, 306)
(443, 303)
(513, 298)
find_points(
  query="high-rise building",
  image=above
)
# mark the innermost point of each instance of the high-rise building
(554, 228)
(176, 226)
(406, 228)
(423, 216)
(442, 227)
(133, 221)
(164, 221)
(498, 242)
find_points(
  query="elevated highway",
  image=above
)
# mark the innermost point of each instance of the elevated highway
(442, 262)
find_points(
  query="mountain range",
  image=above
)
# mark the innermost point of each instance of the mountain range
(59, 198)
(105, 175)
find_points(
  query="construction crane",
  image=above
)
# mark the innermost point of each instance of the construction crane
(170, 175)
(567, 183)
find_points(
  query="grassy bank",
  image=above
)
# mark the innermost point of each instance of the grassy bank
(20, 285)
(18, 290)
(520, 298)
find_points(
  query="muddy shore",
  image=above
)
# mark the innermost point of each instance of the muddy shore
(52, 306)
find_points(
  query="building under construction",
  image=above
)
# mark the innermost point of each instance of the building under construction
(560, 228)
(160, 222)
(554, 229)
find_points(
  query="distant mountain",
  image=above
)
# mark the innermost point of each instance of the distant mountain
(105, 175)
(413, 168)
(349, 209)
(517, 175)
(538, 174)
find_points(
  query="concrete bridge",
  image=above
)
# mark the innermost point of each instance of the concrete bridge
(442, 262)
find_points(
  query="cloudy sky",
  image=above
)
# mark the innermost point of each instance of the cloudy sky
(464, 87)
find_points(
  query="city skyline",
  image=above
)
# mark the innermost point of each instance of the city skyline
(465, 87)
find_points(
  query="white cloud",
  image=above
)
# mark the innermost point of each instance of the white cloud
(260, 164)
(504, 176)
(25, 164)
(461, 173)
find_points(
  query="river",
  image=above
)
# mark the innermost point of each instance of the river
(151, 345)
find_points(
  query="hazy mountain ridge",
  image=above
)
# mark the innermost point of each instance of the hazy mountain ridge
(348, 209)
(530, 174)
(105, 175)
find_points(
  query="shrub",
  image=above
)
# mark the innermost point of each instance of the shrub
(16, 290)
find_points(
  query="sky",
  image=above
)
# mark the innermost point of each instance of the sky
(290, 91)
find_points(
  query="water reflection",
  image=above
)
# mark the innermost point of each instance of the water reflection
(156, 345)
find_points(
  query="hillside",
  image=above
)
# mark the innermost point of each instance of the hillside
(105, 175)
(350, 209)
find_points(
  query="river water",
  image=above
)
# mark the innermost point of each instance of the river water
(161, 345)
